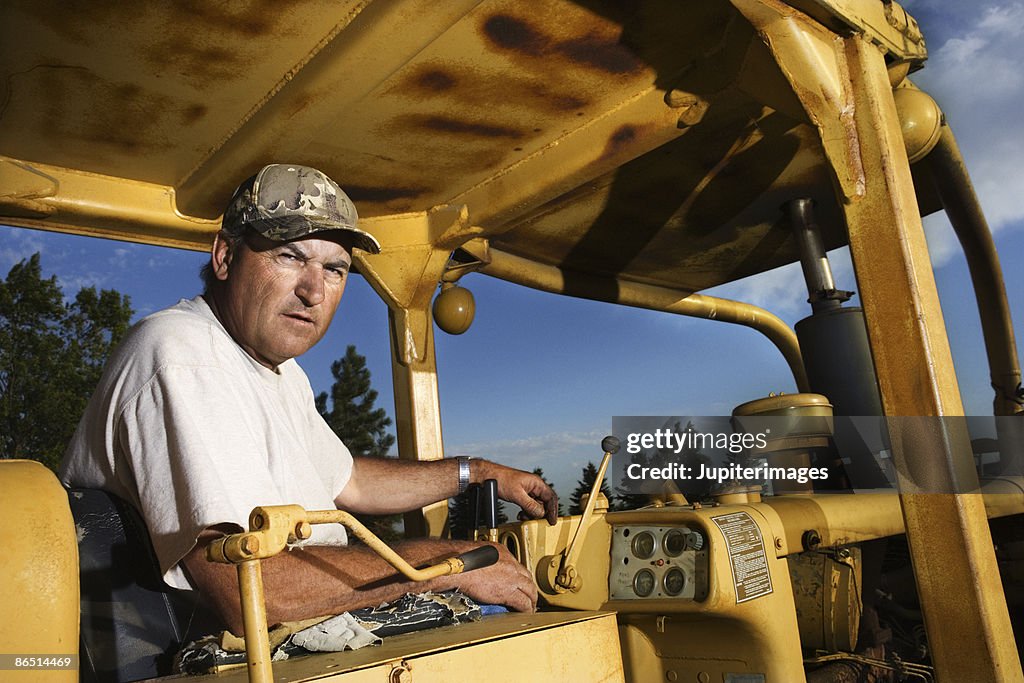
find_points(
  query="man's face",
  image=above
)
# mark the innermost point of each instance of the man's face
(278, 298)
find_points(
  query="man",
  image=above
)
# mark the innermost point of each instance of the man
(202, 414)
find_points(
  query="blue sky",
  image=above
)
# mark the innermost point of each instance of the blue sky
(538, 378)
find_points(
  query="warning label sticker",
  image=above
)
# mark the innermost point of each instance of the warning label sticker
(749, 564)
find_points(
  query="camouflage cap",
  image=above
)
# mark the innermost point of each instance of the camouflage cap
(286, 201)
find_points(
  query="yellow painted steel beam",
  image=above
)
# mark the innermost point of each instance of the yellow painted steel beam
(64, 200)
(948, 171)
(552, 279)
(415, 252)
(844, 85)
(963, 603)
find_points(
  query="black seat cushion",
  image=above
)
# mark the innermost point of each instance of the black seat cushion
(132, 623)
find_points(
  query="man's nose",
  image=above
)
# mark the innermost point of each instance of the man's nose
(310, 287)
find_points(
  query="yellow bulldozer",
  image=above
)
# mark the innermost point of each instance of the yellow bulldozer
(631, 153)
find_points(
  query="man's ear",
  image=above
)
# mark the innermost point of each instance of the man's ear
(220, 256)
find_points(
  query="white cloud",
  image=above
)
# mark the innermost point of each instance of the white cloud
(976, 78)
(562, 455)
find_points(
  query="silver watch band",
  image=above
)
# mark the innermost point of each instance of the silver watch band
(463, 472)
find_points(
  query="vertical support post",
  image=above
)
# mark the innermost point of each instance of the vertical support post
(254, 618)
(950, 543)
(418, 420)
(415, 254)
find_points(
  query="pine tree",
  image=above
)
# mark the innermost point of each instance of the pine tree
(583, 488)
(360, 425)
(52, 355)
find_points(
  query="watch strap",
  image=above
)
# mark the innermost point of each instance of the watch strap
(463, 461)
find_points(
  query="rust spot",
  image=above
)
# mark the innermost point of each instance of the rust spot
(109, 117)
(362, 193)
(435, 80)
(127, 91)
(299, 104)
(512, 33)
(568, 103)
(237, 18)
(445, 124)
(623, 135)
(193, 113)
(469, 88)
(622, 138)
(592, 51)
(202, 66)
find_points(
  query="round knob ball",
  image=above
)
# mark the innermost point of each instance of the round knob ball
(610, 444)
(920, 121)
(454, 309)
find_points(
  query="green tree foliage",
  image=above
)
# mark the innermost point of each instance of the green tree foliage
(362, 426)
(584, 486)
(52, 354)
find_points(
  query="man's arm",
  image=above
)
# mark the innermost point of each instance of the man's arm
(324, 580)
(381, 486)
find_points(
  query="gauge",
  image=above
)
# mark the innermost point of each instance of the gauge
(643, 545)
(643, 583)
(674, 581)
(674, 542)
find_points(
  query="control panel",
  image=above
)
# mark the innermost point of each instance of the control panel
(658, 562)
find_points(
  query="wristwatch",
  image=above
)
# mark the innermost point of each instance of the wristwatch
(463, 472)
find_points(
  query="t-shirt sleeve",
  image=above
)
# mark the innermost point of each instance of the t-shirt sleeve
(194, 459)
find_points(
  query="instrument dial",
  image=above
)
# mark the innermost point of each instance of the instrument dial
(674, 542)
(644, 545)
(643, 583)
(674, 581)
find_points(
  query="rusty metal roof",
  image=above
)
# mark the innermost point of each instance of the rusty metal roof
(655, 141)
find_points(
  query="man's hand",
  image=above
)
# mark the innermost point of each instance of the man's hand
(504, 583)
(526, 490)
(316, 581)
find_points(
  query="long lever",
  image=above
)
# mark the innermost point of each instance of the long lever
(271, 529)
(568, 577)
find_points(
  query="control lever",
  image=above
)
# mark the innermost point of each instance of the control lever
(489, 504)
(567, 577)
(271, 530)
(474, 506)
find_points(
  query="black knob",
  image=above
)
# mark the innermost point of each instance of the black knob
(610, 444)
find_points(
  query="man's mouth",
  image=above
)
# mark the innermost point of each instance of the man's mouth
(301, 317)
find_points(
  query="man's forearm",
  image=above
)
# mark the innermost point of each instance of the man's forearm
(380, 486)
(383, 486)
(319, 581)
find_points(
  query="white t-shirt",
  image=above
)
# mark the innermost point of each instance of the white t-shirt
(193, 432)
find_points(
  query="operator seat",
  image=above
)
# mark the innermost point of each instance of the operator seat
(132, 624)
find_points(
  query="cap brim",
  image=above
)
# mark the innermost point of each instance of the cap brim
(287, 228)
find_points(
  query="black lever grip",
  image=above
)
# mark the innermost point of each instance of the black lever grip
(478, 558)
(490, 503)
